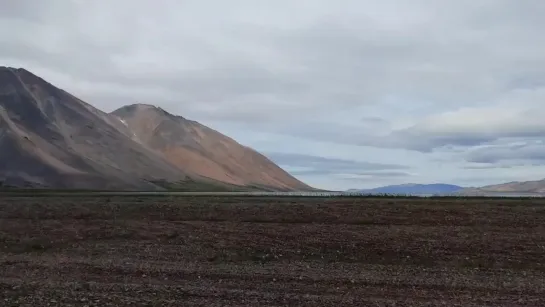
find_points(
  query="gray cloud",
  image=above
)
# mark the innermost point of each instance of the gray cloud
(473, 126)
(350, 176)
(427, 76)
(480, 166)
(267, 60)
(522, 153)
(373, 120)
(341, 170)
(375, 175)
(453, 130)
(315, 165)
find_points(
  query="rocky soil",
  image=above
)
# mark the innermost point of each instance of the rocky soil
(234, 251)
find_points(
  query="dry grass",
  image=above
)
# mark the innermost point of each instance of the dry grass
(213, 251)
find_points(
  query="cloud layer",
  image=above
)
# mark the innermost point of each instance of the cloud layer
(455, 86)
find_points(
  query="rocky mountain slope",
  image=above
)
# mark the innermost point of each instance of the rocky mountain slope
(201, 150)
(50, 138)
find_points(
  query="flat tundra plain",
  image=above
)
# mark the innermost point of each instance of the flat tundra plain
(270, 251)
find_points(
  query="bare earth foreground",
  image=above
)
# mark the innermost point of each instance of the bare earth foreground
(235, 251)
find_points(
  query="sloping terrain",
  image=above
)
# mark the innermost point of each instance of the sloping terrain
(198, 149)
(518, 187)
(49, 138)
(523, 187)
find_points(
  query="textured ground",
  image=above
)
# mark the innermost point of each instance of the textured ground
(212, 251)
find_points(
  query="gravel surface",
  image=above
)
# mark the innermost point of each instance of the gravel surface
(266, 251)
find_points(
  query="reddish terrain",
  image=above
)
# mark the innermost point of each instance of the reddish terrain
(202, 151)
(234, 251)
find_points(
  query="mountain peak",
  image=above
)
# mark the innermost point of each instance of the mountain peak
(139, 107)
(22, 75)
(145, 110)
(144, 106)
(200, 150)
(15, 69)
(9, 68)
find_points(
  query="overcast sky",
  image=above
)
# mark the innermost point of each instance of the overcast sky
(343, 94)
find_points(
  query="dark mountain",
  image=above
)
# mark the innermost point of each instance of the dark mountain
(414, 189)
(52, 139)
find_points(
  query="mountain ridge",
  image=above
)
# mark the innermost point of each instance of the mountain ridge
(202, 149)
(536, 187)
(71, 144)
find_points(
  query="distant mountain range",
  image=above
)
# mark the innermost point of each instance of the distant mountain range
(51, 139)
(511, 188)
(413, 189)
(524, 188)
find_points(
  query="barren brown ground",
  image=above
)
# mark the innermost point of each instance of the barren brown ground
(234, 251)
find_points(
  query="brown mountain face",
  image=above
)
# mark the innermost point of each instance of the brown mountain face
(200, 150)
(537, 187)
(52, 139)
